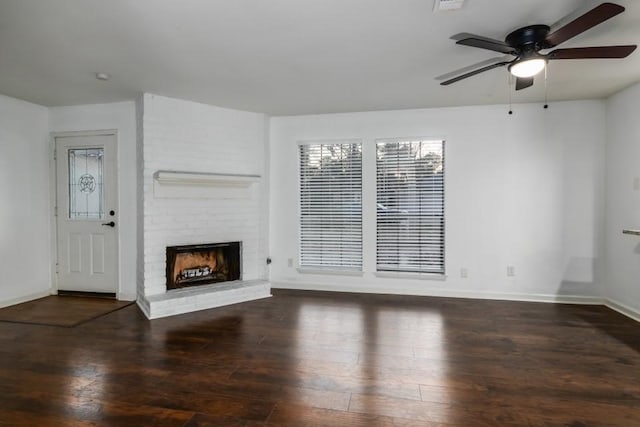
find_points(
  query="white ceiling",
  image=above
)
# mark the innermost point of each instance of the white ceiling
(286, 57)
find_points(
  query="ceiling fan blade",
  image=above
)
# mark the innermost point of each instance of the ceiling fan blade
(582, 23)
(474, 72)
(483, 43)
(491, 61)
(592, 52)
(523, 82)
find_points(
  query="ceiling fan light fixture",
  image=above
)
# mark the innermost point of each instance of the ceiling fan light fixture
(527, 67)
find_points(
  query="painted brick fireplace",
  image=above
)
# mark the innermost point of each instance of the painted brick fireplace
(203, 173)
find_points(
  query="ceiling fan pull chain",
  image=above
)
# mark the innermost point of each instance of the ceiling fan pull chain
(546, 105)
(509, 91)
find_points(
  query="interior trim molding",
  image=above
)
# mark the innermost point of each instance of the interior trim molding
(623, 309)
(124, 296)
(204, 178)
(25, 298)
(431, 292)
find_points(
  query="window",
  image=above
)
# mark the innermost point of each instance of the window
(86, 196)
(410, 205)
(331, 205)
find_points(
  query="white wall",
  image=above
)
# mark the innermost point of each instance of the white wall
(523, 190)
(191, 137)
(25, 245)
(623, 199)
(120, 116)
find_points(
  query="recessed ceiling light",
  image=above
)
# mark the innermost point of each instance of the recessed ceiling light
(103, 76)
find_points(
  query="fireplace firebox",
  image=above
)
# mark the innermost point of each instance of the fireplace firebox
(194, 265)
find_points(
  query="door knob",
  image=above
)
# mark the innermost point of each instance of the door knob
(109, 224)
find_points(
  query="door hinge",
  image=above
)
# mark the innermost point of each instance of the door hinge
(55, 211)
(55, 154)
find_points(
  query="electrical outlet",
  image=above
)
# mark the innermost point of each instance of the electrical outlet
(464, 273)
(511, 271)
(289, 262)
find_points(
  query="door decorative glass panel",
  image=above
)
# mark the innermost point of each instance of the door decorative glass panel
(86, 195)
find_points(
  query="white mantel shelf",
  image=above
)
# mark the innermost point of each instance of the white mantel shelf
(202, 185)
(205, 179)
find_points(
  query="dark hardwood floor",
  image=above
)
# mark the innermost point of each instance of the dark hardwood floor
(321, 359)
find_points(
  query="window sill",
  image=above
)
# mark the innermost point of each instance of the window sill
(408, 275)
(332, 272)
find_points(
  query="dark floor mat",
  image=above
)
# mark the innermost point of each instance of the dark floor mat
(60, 311)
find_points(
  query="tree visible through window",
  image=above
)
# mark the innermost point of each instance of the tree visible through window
(331, 205)
(410, 205)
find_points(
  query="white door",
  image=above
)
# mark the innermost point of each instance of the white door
(86, 213)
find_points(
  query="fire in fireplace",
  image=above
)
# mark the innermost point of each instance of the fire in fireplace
(193, 265)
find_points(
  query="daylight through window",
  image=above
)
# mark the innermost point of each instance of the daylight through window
(410, 205)
(331, 205)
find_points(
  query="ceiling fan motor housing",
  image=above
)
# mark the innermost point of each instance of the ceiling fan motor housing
(529, 38)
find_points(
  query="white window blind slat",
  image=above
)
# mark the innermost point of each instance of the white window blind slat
(331, 205)
(410, 205)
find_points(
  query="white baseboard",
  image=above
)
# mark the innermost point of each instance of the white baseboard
(24, 298)
(623, 309)
(430, 292)
(123, 296)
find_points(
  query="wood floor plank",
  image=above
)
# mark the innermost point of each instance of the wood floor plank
(289, 415)
(326, 380)
(251, 389)
(208, 420)
(44, 409)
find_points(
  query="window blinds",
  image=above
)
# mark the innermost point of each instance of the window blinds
(410, 205)
(331, 205)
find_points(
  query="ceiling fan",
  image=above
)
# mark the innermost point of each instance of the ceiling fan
(526, 43)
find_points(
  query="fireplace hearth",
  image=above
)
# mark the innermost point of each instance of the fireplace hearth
(201, 264)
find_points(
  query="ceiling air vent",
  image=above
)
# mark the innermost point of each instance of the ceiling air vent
(442, 5)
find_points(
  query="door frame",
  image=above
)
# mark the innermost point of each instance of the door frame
(53, 201)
